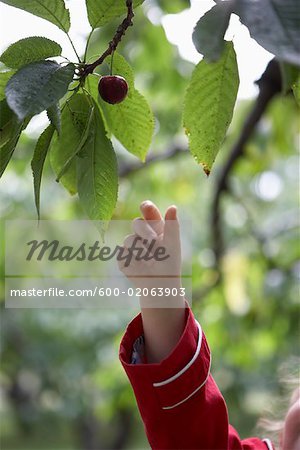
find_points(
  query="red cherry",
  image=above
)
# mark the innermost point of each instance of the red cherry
(113, 88)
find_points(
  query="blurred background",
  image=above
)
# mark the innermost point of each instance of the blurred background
(62, 387)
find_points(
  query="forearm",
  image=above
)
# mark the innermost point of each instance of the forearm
(179, 402)
(163, 328)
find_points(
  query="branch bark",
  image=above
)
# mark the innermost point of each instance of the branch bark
(128, 169)
(270, 84)
(121, 30)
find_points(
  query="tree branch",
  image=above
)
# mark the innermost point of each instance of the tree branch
(270, 84)
(127, 22)
(128, 169)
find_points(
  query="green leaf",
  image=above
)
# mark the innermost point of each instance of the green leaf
(35, 87)
(80, 144)
(173, 7)
(208, 35)
(38, 160)
(101, 12)
(97, 172)
(29, 50)
(54, 115)
(275, 26)
(7, 122)
(8, 149)
(131, 121)
(52, 10)
(74, 118)
(209, 104)
(289, 74)
(4, 77)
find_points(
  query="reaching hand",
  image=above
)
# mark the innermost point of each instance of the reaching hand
(155, 246)
(163, 312)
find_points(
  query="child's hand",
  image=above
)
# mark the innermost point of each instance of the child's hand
(158, 239)
(163, 315)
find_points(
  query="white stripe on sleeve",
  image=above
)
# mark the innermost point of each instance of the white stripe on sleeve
(269, 444)
(193, 393)
(178, 374)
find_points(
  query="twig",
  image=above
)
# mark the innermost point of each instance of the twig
(128, 169)
(127, 22)
(269, 85)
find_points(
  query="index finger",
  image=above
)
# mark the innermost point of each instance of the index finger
(152, 214)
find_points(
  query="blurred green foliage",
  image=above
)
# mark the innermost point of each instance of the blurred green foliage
(62, 386)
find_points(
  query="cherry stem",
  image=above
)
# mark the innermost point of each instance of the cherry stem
(121, 30)
(111, 63)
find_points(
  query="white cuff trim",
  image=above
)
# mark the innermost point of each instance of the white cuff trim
(193, 393)
(269, 444)
(178, 374)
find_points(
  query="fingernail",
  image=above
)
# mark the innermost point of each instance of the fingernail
(146, 203)
(175, 210)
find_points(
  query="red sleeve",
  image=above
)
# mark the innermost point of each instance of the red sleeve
(180, 403)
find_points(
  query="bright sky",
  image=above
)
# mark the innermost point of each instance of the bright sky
(16, 24)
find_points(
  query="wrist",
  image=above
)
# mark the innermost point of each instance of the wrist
(163, 328)
(159, 293)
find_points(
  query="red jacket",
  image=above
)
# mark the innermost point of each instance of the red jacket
(179, 401)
